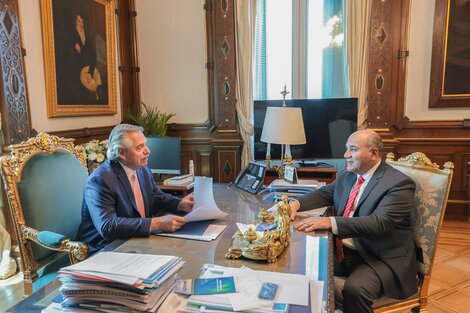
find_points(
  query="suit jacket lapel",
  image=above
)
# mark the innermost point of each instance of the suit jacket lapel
(374, 180)
(348, 185)
(122, 177)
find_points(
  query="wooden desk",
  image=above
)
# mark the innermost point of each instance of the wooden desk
(307, 253)
(323, 173)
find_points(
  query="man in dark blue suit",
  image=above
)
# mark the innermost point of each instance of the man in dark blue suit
(112, 210)
(372, 204)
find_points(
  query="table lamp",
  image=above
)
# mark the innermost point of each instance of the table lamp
(283, 126)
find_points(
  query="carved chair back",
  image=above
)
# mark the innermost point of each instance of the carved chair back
(44, 179)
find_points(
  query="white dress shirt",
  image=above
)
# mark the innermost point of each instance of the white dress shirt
(348, 242)
(129, 173)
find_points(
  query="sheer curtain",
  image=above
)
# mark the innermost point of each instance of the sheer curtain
(245, 17)
(357, 51)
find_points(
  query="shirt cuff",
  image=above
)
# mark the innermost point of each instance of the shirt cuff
(178, 208)
(294, 200)
(334, 227)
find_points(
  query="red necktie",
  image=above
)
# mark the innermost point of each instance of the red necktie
(347, 210)
(139, 200)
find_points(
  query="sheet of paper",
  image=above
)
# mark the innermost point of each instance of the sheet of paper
(293, 288)
(316, 296)
(126, 264)
(313, 212)
(125, 279)
(205, 207)
(247, 297)
(53, 308)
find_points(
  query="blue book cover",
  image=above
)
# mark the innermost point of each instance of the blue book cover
(206, 286)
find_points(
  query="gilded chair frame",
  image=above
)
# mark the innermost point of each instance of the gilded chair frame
(418, 301)
(12, 168)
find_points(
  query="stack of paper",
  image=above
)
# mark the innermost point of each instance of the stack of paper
(281, 187)
(293, 290)
(119, 281)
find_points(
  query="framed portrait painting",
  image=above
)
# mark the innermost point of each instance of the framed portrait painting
(79, 57)
(450, 66)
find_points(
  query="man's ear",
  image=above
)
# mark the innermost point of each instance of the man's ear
(122, 154)
(375, 153)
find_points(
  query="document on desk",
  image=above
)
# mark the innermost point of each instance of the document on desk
(316, 295)
(294, 289)
(313, 212)
(205, 207)
(200, 230)
(126, 268)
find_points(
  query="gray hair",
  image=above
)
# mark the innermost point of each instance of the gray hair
(118, 139)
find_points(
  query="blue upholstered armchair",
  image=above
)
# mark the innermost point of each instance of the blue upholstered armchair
(432, 191)
(44, 179)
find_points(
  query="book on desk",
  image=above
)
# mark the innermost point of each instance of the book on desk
(182, 180)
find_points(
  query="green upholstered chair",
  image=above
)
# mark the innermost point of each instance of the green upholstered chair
(44, 179)
(432, 191)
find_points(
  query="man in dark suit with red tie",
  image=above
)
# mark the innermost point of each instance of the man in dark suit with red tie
(121, 197)
(374, 243)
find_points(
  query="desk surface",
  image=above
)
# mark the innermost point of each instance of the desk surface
(307, 253)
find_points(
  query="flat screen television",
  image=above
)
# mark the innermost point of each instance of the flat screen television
(165, 155)
(328, 123)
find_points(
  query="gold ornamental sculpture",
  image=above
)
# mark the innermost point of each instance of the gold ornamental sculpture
(267, 239)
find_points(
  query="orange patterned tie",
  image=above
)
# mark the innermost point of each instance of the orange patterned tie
(347, 210)
(139, 200)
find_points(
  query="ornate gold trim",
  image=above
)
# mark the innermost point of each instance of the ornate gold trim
(420, 161)
(12, 168)
(268, 246)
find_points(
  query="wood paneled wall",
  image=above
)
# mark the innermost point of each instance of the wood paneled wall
(441, 141)
(215, 145)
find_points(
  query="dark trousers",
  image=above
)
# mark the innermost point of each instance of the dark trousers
(362, 285)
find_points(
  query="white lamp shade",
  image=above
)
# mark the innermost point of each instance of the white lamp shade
(283, 126)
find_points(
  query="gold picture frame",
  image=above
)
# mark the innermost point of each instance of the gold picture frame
(79, 57)
(450, 65)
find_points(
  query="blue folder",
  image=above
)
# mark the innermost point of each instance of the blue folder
(194, 228)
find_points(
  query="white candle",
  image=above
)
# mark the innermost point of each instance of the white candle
(268, 151)
(288, 151)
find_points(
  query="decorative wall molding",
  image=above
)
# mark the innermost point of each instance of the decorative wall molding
(85, 134)
(14, 99)
(440, 140)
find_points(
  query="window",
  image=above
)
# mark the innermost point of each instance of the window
(299, 43)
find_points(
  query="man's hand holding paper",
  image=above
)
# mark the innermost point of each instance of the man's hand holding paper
(205, 207)
(187, 203)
